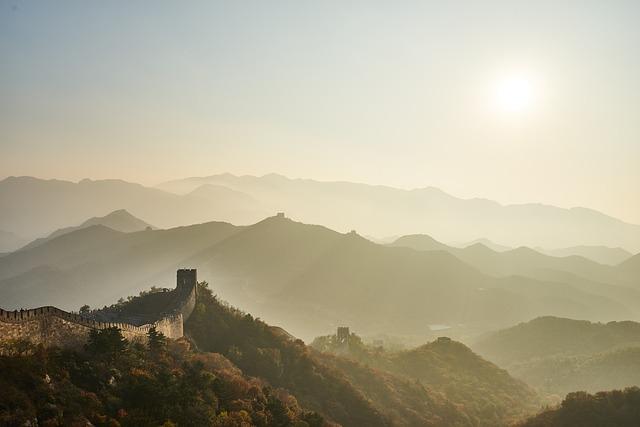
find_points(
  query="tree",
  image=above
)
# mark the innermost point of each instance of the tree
(85, 309)
(108, 342)
(156, 340)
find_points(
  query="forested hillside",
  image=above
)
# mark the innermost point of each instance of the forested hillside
(487, 393)
(350, 395)
(619, 408)
(563, 355)
(115, 383)
(234, 368)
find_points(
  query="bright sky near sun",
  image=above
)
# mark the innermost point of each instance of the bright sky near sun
(514, 101)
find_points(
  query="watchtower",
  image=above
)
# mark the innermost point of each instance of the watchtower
(343, 335)
(187, 279)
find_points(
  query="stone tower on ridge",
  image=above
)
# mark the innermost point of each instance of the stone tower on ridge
(187, 279)
(343, 335)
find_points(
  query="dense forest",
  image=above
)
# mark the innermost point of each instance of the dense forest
(112, 382)
(232, 369)
(486, 393)
(618, 408)
(350, 394)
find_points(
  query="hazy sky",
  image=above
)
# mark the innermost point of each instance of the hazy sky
(408, 94)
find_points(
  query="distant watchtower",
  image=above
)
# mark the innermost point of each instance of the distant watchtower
(187, 279)
(343, 335)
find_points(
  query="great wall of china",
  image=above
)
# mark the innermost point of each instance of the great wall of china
(51, 326)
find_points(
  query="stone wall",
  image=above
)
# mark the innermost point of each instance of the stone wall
(51, 326)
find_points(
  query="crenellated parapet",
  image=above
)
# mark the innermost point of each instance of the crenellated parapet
(52, 326)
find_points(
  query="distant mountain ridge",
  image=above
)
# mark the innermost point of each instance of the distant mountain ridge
(524, 261)
(601, 254)
(559, 355)
(426, 210)
(561, 336)
(10, 241)
(311, 277)
(119, 220)
(488, 243)
(35, 207)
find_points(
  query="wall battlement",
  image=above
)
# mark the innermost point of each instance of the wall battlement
(52, 326)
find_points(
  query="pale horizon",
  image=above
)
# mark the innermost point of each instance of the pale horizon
(154, 184)
(518, 103)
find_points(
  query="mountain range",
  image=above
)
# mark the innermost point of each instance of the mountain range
(10, 241)
(119, 220)
(428, 209)
(558, 355)
(313, 278)
(34, 208)
(601, 254)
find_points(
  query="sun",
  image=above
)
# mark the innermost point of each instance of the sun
(514, 93)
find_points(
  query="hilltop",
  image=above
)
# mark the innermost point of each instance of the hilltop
(562, 355)
(447, 367)
(119, 220)
(560, 337)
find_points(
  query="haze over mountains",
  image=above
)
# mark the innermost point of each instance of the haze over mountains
(119, 220)
(558, 355)
(425, 210)
(34, 208)
(601, 254)
(10, 241)
(311, 278)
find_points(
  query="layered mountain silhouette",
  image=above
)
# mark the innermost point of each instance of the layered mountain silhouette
(558, 355)
(619, 282)
(35, 207)
(631, 267)
(344, 206)
(119, 220)
(10, 241)
(601, 254)
(313, 278)
(488, 243)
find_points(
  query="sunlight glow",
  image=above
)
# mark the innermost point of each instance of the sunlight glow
(514, 94)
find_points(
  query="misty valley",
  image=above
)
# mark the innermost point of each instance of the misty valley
(286, 213)
(284, 322)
